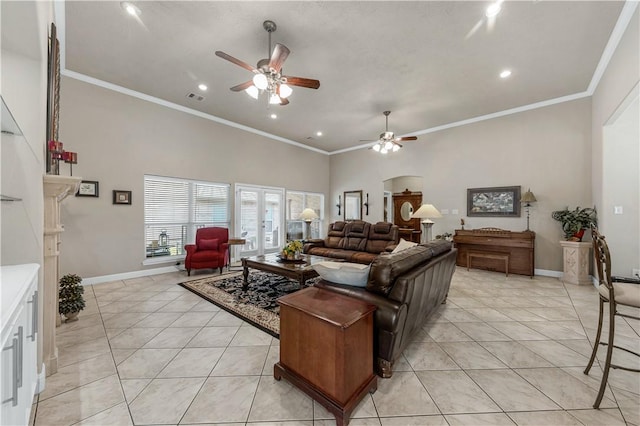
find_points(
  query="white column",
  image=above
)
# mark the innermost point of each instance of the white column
(56, 189)
(576, 262)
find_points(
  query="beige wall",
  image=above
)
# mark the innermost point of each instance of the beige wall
(546, 149)
(621, 76)
(119, 139)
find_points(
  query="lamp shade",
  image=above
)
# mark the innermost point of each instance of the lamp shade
(528, 197)
(426, 211)
(308, 215)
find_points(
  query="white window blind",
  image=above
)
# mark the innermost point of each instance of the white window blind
(175, 208)
(296, 203)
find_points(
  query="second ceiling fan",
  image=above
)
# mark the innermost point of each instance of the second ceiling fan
(387, 141)
(268, 75)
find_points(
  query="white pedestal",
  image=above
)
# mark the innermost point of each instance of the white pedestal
(576, 262)
(56, 188)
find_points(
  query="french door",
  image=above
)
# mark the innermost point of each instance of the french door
(259, 219)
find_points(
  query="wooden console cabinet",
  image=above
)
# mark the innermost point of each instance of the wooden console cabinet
(326, 348)
(518, 248)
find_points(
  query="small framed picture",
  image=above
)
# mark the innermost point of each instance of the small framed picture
(121, 197)
(88, 188)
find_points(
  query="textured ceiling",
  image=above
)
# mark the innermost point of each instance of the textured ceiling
(430, 63)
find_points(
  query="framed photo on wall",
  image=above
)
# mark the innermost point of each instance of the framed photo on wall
(88, 188)
(495, 201)
(121, 197)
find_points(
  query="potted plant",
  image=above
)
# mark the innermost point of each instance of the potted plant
(70, 293)
(574, 222)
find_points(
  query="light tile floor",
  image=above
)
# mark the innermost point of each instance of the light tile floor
(501, 351)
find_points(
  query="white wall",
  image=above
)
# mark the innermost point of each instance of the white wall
(547, 150)
(621, 76)
(119, 139)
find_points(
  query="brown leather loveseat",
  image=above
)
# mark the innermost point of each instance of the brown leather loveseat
(407, 287)
(356, 241)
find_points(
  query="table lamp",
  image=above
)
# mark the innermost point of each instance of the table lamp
(527, 199)
(308, 215)
(426, 212)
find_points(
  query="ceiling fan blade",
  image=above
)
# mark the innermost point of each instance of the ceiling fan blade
(407, 138)
(235, 61)
(302, 82)
(284, 102)
(279, 55)
(243, 86)
(368, 140)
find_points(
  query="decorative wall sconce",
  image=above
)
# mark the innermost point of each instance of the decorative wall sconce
(339, 205)
(366, 205)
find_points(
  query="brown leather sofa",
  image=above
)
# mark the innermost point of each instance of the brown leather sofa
(407, 287)
(357, 241)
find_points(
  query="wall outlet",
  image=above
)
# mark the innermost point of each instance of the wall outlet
(618, 210)
(454, 211)
(444, 211)
(635, 273)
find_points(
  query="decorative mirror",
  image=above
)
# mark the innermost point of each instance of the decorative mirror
(406, 210)
(353, 205)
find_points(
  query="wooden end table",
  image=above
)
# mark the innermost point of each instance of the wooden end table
(326, 348)
(234, 242)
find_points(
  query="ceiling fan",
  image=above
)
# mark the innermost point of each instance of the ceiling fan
(387, 141)
(268, 73)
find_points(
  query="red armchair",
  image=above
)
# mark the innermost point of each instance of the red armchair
(210, 250)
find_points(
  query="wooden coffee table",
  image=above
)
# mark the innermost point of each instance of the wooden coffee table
(300, 271)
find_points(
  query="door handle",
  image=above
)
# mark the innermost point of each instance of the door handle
(34, 316)
(14, 373)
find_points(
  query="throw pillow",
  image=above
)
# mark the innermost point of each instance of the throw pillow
(403, 245)
(353, 274)
(211, 244)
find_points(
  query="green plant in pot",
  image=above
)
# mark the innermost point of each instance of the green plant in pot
(70, 297)
(574, 222)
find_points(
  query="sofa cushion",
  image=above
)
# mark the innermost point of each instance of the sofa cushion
(353, 274)
(403, 245)
(356, 235)
(335, 236)
(381, 235)
(205, 256)
(208, 244)
(389, 266)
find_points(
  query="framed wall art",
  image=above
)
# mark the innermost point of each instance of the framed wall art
(495, 201)
(121, 197)
(88, 188)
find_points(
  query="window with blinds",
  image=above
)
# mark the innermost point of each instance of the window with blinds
(175, 208)
(296, 203)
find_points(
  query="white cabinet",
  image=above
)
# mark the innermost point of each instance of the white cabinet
(19, 371)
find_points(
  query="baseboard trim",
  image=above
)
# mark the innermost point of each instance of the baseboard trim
(130, 275)
(548, 273)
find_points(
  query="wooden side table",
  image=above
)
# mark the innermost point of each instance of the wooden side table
(234, 242)
(326, 348)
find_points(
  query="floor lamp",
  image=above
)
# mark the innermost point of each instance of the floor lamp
(308, 215)
(527, 199)
(426, 212)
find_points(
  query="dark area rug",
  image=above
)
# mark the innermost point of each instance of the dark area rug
(257, 305)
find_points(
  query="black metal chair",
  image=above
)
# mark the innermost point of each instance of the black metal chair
(616, 294)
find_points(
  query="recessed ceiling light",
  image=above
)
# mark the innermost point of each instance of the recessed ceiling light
(505, 73)
(130, 8)
(493, 9)
(202, 87)
(319, 133)
(274, 116)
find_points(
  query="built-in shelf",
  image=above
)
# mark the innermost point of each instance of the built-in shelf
(9, 125)
(8, 198)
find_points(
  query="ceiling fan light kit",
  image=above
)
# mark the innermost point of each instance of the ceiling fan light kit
(387, 141)
(268, 77)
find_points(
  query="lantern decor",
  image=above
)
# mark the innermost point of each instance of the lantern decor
(163, 239)
(57, 153)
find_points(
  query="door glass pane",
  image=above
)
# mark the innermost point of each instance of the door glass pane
(272, 220)
(249, 219)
